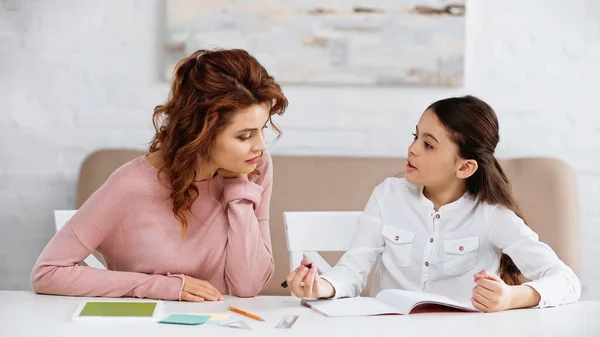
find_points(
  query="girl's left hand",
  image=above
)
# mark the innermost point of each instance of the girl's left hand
(491, 293)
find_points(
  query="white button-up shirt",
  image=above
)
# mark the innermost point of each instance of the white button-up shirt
(413, 247)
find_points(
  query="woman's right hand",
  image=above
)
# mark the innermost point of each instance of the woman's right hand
(195, 290)
(228, 174)
(305, 282)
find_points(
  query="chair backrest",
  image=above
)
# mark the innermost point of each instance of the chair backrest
(307, 233)
(545, 188)
(60, 219)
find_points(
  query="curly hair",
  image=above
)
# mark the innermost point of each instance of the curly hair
(208, 88)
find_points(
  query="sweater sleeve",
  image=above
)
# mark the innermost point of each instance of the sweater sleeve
(249, 261)
(57, 271)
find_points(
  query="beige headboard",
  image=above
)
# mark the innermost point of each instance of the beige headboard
(545, 189)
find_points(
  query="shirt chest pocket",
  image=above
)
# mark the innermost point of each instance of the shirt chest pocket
(460, 255)
(398, 243)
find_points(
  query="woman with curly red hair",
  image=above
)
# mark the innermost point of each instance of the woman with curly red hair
(189, 220)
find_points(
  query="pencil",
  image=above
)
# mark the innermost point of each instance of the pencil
(247, 314)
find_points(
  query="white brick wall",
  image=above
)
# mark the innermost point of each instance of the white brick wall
(79, 75)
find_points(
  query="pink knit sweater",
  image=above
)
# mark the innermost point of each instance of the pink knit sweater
(130, 221)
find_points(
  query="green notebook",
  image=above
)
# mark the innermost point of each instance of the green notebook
(118, 309)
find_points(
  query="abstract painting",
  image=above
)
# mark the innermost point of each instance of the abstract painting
(326, 42)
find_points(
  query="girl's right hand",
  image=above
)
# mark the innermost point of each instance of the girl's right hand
(305, 282)
(195, 290)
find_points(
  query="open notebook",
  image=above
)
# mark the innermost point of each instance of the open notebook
(387, 302)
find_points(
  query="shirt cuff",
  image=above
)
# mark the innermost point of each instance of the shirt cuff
(182, 277)
(543, 303)
(342, 289)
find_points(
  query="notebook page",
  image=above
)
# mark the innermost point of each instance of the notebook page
(357, 306)
(405, 300)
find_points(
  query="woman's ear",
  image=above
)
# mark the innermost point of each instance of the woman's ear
(467, 169)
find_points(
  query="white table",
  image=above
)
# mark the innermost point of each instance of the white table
(27, 314)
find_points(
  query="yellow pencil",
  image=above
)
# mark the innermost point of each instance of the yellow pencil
(247, 314)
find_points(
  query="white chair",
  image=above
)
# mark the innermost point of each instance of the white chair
(60, 218)
(307, 233)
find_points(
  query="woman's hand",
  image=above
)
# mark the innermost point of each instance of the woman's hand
(195, 290)
(228, 174)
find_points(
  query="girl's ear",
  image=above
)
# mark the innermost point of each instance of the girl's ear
(467, 168)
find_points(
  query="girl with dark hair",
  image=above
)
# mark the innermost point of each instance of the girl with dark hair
(450, 226)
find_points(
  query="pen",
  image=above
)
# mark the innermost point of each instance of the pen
(285, 285)
(247, 314)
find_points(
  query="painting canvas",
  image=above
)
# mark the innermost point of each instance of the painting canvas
(344, 42)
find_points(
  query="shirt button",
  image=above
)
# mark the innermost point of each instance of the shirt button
(431, 240)
(397, 238)
(437, 216)
(426, 264)
(461, 248)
